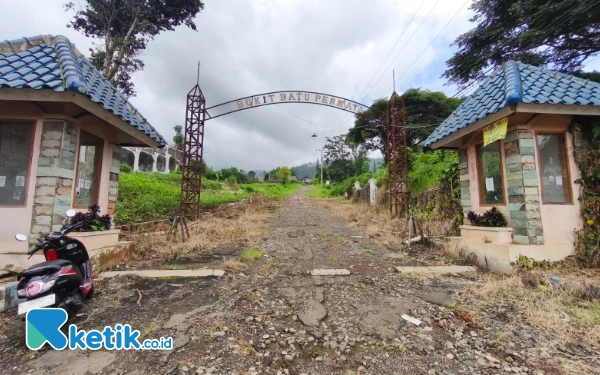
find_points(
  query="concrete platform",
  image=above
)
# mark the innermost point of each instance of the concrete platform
(330, 272)
(166, 273)
(437, 270)
(8, 295)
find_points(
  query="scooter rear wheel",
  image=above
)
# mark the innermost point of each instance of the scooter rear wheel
(72, 304)
(90, 294)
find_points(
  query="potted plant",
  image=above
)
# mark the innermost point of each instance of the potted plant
(96, 232)
(489, 227)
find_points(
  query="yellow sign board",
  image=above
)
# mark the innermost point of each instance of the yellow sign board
(495, 131)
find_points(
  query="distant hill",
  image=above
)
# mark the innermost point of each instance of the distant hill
(309, 169)
(306, 170)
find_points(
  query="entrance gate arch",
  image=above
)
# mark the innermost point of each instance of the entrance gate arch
(197, 114)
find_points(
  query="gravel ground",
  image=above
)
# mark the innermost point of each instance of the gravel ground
(275, 318)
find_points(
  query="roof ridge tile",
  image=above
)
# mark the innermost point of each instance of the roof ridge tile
(71, 71)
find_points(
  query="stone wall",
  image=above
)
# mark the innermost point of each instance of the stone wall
(523, 188)
(55, 175)
(465, 184)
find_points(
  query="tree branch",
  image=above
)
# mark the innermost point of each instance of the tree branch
(122, 50)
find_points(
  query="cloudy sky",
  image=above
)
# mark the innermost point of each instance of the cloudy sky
(248, 47)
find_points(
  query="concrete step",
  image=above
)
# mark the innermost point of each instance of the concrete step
(437, 270)
(330, 272)
(165, 273)
(8, 295)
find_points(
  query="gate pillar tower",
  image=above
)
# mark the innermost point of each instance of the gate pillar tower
(193, 148)
(397, 155)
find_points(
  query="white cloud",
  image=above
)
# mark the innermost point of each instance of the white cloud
(249, 47)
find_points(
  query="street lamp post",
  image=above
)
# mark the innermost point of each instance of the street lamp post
(321, 150)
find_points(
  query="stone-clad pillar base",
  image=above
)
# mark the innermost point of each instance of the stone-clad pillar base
(523, 188)
(465, 184)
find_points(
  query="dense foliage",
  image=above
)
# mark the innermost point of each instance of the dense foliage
(561, 34)
(425, 110)
(427, 169)
(490, 218)
(178, 137)
(125, 27)
(588, 159)
(153, 196)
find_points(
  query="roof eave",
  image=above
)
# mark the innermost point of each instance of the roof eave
(559, 109)
(444, 143)
(47, 95)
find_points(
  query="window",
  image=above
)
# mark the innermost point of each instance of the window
(491, 186)
(554, 171)
(89, 164)
(15, 158)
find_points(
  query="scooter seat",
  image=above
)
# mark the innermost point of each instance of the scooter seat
(44, 268)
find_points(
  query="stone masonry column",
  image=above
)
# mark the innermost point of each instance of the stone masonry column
(465, 184)
(523, 188)
(55, 175)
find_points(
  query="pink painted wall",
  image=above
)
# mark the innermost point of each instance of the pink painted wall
(559, 221)
(18, 219)
(104, 173)
(474, 187)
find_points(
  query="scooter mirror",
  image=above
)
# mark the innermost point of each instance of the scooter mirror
(21, 237)
(70, 212)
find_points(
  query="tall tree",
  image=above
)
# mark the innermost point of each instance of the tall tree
(125, 28)
(556, 33)
(345, 157)
(178, 137)
(284, 174)
(424, 109)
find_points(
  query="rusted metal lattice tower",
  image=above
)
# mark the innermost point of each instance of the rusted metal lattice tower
(397, 155)
(191, 167)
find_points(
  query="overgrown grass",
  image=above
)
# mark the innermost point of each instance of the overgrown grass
(271, 189)
(251, 254)
(319, 192)
(154, 196)
(564, 315)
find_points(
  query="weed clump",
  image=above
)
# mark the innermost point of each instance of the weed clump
(251, 254)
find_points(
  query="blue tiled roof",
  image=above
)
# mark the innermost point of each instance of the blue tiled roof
(51, 63)
(516, 82)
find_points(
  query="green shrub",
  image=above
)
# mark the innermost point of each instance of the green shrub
(490, 218)
(231, 182)
(125, 168)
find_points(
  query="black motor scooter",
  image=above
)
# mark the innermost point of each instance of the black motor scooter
(64, 279)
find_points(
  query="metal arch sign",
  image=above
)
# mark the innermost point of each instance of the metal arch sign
(284, 97)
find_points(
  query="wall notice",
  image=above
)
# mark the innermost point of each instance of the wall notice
(2, 181)
(495, 132)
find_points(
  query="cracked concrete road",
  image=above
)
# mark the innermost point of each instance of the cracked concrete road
(275, 318)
